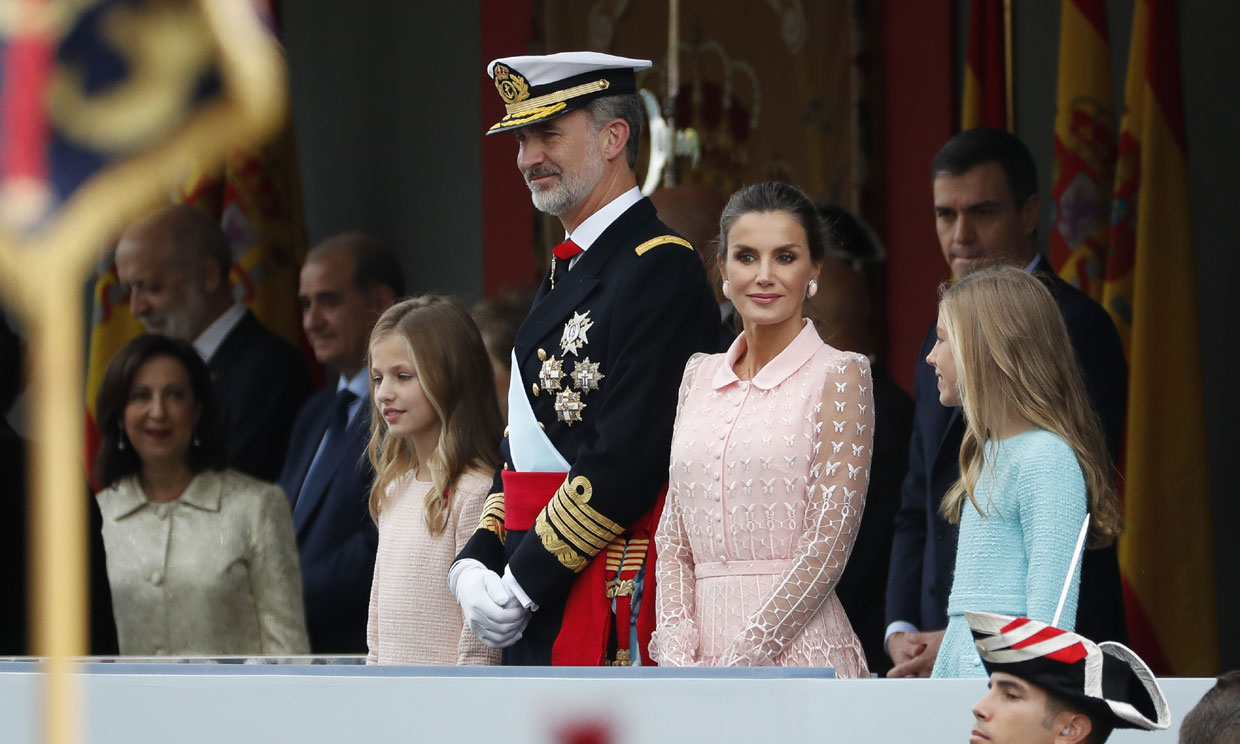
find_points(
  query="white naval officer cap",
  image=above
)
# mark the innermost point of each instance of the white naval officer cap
(541, 87)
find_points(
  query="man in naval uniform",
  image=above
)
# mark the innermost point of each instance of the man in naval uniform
(554, 573)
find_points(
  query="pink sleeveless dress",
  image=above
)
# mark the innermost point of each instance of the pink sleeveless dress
(766, 488)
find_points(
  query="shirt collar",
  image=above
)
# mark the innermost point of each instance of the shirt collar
(785, 363)
(358, 384)
(208, 342)
(594, 225)
(202, 492)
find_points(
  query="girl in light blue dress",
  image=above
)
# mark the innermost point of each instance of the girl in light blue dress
(1033, 462)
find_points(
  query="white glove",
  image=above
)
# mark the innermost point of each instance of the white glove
(492, 613)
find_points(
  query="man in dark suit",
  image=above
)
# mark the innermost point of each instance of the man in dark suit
(596, 368)
(986, 213)
(346, 284)
(175, 263)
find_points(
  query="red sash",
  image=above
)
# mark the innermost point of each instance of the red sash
(585, 628)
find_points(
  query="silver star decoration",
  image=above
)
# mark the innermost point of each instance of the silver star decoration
(568, 406)
(586, 375)
(551, 373)
(574, 336)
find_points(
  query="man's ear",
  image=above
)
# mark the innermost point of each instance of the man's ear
(616, 135)
(1029, 214)
(1072, 728)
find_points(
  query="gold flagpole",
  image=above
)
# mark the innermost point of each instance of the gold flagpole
(41, 278)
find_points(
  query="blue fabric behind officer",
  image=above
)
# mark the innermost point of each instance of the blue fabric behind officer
(336, 538)
(924, 547)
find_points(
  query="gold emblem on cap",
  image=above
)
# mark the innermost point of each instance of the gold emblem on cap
(511, 85)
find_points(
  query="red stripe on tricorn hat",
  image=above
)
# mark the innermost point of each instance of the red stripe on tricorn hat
(1067, 655)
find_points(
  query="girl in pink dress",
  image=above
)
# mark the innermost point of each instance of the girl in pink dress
(769, 465)
(434, 445)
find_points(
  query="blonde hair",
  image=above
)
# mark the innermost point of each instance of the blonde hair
(455, 373)
(1014, 361)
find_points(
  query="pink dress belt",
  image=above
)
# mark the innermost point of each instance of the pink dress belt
(740, 568)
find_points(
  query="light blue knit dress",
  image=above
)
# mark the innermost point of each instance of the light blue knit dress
(1015, 559)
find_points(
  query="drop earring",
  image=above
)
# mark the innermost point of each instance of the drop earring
(120, 437)
(727, 289)
(812, 289)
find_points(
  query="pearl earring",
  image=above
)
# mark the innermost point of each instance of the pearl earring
(727, 289)
(812, 289)
(120, 438)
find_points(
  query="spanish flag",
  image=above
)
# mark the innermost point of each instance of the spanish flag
(985, 83)
(1084, 169)
(1166, 554)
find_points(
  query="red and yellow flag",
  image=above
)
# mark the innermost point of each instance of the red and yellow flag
(1084, 169)
(985, 74)
(1166, 554)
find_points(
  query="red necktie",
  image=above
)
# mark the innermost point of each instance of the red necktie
(566, 250)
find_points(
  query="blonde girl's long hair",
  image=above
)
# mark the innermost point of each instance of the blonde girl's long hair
(456, 376)
(1014, 360)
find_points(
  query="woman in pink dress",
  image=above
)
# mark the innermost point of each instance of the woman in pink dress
(769, 465)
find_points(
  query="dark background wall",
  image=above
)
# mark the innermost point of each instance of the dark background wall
(386, 116)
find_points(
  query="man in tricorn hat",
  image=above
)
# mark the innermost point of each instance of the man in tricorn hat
(1051, 686)
(554, 573)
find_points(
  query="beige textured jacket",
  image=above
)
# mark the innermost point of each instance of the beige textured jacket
(212, 573)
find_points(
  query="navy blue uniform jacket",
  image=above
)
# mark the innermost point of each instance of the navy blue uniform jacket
(923, 551)
(260, 383)
(650, 308)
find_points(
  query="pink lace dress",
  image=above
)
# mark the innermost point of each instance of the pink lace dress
(766, 488)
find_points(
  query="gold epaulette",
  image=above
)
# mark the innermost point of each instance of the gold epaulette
(661, 240)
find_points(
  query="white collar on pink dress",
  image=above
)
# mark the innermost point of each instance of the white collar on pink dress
(785, 363)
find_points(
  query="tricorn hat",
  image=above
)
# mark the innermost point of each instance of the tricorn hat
(538, 88)
(1107, 679)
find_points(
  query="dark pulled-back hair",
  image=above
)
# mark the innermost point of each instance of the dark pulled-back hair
(627, 107)
(975, 147)
(374, 262)
(114, 463)
(1215, 719)
(773, 196)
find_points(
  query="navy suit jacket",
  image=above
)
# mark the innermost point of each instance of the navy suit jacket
(923, 552)
(336, 538)
(260, 381)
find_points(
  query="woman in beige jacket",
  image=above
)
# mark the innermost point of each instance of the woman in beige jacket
(201, 560)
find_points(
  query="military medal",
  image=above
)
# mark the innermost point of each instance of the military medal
(551, 373)
(568, 406)
(574, 336)
(586, 375)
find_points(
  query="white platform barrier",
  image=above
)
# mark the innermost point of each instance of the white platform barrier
(237, 704)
